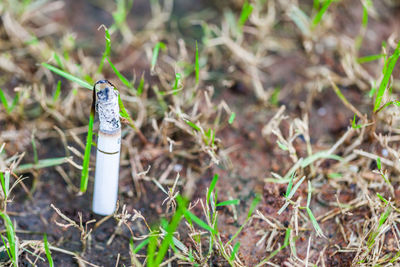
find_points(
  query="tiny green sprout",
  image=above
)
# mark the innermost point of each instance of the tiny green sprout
(382, 220)
(194, 126)
(4, 101)
(379, 163)
(211, 188)
(290, 185)
(321, 12)
(33, 41)
(354, 125)
(232, 117)
(58, 60)
(387, 73)
(156, 50)
(274, 99)
(335, 175)
(245, 13)
(57, 92)
(178, 79)
(210, 134)
(141, 86)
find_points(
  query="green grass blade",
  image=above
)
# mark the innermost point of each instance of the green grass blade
(314, 222)
(234, 251)
(369, 58)
(389, 66)
(194, 126)
(384, 217)
(178, 78)
(141, 245)
(5, 180)
(229, 202)
(321, 12)
(198, 221)
(287, 237)
(245, 13)
(86, 159)
(124, 113)
(10, 238)
(168, 238)
(156, 51)
(43, 163)
(7, 248)
(47, 251)
(382, 198)
(68, 76)
(141, 86)
(57, 92)
(119, 75)
(58, 60)
(232, 118)
(290, 185)
(151, 250)
(316, 4)
(296, 186)
(107, 49)
(4, 100)
(382, 220)
(379, 163)
(253, 205)
(211, 188)
(274, 99)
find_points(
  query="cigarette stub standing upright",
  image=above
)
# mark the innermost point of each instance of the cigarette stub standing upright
(108, 149)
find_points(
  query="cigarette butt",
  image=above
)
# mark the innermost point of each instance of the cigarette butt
(105, 193)
(107, 172)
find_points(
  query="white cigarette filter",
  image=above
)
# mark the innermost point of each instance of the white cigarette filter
(105, 193)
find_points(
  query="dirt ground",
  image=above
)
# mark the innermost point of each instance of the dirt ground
(294, 69)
